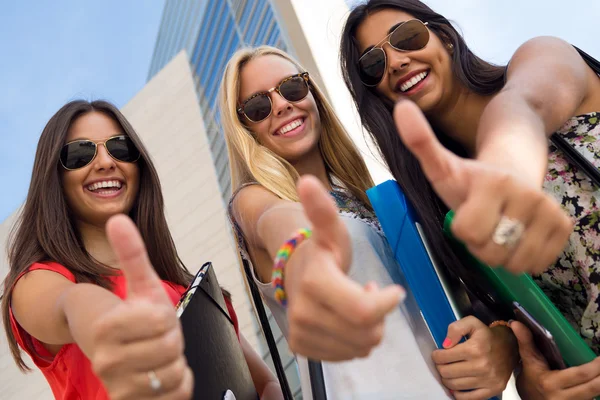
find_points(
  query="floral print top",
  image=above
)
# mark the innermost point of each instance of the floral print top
(573, 283)
(349, 205)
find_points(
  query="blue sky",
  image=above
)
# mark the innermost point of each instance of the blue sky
(53, 52)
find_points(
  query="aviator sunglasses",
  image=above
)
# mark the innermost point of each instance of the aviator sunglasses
(259, 106)
(79, 153)
(410, 35)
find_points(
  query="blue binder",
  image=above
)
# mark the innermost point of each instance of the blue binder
(400, 225)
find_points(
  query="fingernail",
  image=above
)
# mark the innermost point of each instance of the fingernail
(402, 294)
(447, 343)
(510, 321)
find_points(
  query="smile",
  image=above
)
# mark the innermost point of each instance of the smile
(290, 127)
(413, 81)
(105, 187)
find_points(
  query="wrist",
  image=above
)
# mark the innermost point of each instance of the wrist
(503, 334)
(284, 253)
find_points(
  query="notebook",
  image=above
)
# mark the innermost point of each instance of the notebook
(522, 289)
(212, 347)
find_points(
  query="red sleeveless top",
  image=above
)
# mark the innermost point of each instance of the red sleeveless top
(69, 373)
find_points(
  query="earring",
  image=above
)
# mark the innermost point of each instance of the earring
(450, 46)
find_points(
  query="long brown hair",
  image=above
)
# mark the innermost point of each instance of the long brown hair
(45, 229)
(375, 110)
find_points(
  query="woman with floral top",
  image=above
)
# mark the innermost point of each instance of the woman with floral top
(516, 197)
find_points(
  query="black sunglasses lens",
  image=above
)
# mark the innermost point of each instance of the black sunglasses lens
(371, 67)
(258, 108)
(77, 154)
(294, 89)
(123, 149)
(410, 36)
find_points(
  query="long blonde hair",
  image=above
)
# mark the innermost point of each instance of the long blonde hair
(252, 162)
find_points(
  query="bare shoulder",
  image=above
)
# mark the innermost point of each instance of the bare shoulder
(557, 63)
(552, 52)
(252, 201)
(250, 204)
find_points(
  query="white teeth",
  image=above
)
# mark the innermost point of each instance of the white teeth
(412, 82)
(104, 184)
(292, 125)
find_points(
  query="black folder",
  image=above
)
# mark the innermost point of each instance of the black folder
(212, 347)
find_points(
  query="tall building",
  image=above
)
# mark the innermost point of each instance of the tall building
(211, 31)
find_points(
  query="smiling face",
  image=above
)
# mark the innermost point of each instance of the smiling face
(425, 75)
(105, 186)
(293, 129)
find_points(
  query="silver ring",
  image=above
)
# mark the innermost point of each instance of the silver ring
(508, 232)
(155, 383)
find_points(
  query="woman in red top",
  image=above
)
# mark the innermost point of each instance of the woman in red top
(85, 302)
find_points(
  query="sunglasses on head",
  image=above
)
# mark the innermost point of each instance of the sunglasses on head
(79, 153)
(410, 35)
(259, 106)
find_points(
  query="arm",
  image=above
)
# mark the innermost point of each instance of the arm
(267, 222)
(57, 311)
(547, 83)
(330, 316)
(265, 382)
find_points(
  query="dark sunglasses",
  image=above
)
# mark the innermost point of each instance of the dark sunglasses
(410, 35)
(259, 106)
(79, 153)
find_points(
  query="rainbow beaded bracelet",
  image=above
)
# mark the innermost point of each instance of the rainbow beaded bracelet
(281, 259)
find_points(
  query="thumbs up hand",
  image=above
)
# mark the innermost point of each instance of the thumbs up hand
(331, 317)
(138, 345)
(502, 219)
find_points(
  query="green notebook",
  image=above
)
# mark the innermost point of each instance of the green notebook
(522, 289)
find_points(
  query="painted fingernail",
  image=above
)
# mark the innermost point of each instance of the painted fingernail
(447, 343)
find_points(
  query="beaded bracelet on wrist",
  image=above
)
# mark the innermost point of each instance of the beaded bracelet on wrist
(281, 259)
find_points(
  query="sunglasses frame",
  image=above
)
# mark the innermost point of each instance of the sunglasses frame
(303, 75)
(379, 46)
(101, 142)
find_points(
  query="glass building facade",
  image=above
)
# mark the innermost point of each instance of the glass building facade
(211, 31)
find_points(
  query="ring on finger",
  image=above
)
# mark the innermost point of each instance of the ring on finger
(508, 232)
(155, 383)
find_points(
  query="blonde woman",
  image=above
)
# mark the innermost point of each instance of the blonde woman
(341, 301)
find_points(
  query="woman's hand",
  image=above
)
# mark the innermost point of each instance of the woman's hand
(330, 316)
(480, 367)
(537, 382)
(137, 347)
(502, 219)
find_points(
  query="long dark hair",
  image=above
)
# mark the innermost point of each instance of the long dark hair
(45, 229)
(375, 112)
